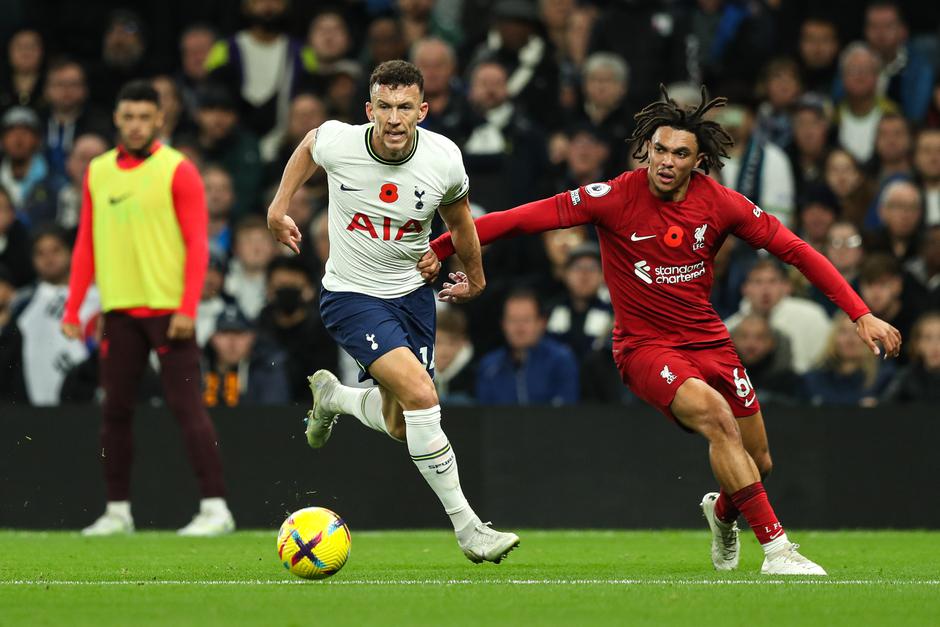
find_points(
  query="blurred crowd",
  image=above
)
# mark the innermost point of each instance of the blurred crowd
(835, 115)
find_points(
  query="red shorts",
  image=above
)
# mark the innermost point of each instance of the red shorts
(654, 373)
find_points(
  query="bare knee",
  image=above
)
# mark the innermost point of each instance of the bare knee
(712, 417)
(422, 395)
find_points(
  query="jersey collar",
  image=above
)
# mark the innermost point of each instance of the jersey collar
(372, 153)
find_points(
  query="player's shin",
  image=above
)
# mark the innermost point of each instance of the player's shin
(435, 459)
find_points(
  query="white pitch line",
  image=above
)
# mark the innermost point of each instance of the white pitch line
(471, 582)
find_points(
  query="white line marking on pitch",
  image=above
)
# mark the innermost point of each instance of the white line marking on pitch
(469, 582)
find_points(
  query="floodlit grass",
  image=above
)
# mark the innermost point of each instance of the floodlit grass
(421, 578)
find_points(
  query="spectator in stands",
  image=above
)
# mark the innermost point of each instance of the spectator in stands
(757, 168)
(123, 57)
(920, 381)
(345, 94)
(846, 180)
(927, 168)
(848, 372)
(253, 249)
(454, 366)
(448, 109)
(504, 154)
(531, 368)
(907, 74)
(307, 111)
(12, 387)
(23, 166)
(57, 199)
(14, 243)
(581, 319)
(385, 41)
(515, 43)
(292, 319)
(803, 322)
(604, 86)
(69, 114)
(261, 66)
(220, 200)
(212, 301)
(893, 149)
(418, 20)
(196, 41)
(881, 286)
(176, 120)
(223, 141)
(818, 52)
(811, 128)
(844, 250)
(900, 211)
(858, 113)
(47, 354)
(242, 366)
(600, 379)
(766, 356)
(328, 41)
(780, 88)
(587, 155)
(818, 211)
(925, 268)
(22, 79)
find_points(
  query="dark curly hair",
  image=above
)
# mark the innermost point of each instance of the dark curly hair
(713, 141)
(396, 73)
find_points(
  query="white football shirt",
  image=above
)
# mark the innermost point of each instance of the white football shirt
(380, 211)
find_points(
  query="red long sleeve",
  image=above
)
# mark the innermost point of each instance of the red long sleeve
(815, 267)
(189, 201)
(83, 260)
(534, 217)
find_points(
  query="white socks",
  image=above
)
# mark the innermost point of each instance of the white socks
(119, 508)
(776, 544)
(363, 403)
(215, 506)
(435, 459)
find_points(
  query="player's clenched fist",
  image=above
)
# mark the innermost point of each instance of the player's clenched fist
(872, 329)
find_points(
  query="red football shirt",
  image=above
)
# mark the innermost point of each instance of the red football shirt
(658, 255)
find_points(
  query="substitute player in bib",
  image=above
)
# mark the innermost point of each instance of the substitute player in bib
(386, 180)
(659, 228)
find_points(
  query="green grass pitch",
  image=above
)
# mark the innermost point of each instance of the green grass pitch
(421, 578)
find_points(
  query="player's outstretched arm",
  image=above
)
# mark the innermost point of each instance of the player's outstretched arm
(299, 168)
(821, 273)
(463, 234)
(534, 217)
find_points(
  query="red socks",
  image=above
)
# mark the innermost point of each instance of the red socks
(752, 502)
(725, 511)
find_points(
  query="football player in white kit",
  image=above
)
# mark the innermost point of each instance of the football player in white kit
(386, 180)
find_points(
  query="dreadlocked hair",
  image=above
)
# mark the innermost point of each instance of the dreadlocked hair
(713, 141)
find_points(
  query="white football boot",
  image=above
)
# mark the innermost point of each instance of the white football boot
(482, 543)
(787, 561)
(726, 546)
(323, 416)
(110, 524)
(209, 522)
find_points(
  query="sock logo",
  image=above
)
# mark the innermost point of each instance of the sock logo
(370, 337)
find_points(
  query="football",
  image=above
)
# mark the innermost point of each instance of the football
(313, 543)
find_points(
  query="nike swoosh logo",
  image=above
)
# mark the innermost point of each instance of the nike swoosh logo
(750, 401)
(343, 187)
(441, 472)
(116, 199)
(776, 535)
(636, 238)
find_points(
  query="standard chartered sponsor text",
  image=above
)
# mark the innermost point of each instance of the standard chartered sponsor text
(679, 274)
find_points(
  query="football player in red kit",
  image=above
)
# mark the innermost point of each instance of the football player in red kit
(659, 229)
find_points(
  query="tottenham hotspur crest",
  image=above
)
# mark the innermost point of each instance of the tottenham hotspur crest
(419, 204)
(370, 337)
(699, 237)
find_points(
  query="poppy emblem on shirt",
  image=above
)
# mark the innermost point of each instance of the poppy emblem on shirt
(388, 193)
(673, 237)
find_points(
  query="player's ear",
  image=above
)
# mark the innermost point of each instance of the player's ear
(422, 112)
(698, 159)
(369, 111)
